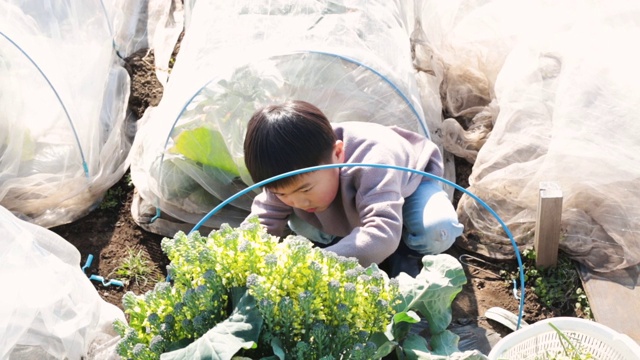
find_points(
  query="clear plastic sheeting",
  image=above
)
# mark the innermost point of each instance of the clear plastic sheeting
(459, 47)
(149, 25)
(567, 97)
(352, 59)
(50, 309)
(63, 139)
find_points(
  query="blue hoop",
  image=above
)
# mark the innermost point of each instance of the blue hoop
(431, 176)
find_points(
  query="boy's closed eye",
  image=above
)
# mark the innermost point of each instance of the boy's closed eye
(298, 190)
(303, 188)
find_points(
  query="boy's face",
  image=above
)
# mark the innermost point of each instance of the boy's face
(316, 190)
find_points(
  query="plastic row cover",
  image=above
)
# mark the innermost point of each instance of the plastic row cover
(147, 25)
(64, 136)
(351, 59)
(50, 309)
(566, 90)
(64, 92)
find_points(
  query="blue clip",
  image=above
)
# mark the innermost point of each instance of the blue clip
(99, 278)
(106, 283)
(88, 263)
(515, 290)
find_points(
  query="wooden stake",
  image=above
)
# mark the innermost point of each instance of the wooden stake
(547, 235)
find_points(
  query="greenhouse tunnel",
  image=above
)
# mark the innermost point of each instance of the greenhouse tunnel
(63, 141)
(520, 94)
(352, 62)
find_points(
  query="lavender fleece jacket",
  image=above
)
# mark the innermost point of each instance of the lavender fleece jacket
(367, 212)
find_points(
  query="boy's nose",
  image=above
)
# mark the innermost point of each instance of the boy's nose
(300, 202)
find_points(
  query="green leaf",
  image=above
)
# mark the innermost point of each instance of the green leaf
(444, 343)
(401, 324)
(408, 316)
(240, 331)
(432, 292)
(415, 347)
(278, 350)
(384, 345)
(205, 146)
(237, 294)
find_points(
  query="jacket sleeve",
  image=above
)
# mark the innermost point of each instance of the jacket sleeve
(379, 203)
(272, 213)
(375, 240)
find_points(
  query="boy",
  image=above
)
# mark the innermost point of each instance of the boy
(358, 211)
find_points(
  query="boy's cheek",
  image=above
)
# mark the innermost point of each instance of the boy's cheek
(286, 201)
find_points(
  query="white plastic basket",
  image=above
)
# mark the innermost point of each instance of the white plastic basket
(540, 340)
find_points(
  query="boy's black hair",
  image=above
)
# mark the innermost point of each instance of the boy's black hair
(286, 137)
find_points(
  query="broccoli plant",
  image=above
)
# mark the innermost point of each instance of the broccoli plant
(241, 292)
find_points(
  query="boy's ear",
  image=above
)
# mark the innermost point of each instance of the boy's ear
(338, 151)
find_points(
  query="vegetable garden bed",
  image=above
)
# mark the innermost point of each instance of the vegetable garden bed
(110, 234)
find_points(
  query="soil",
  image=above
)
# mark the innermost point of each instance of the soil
(109, 234)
